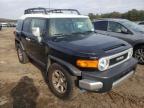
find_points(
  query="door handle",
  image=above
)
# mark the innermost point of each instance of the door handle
(28, 39)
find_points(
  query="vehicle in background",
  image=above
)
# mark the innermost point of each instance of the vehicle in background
(141, 24)
(125, 30)
(4, 25)
(0, 27)
(71, 53)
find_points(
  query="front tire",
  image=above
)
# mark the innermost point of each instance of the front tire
(61, 83)
(139, 54)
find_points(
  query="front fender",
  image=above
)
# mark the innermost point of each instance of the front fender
(72, 69)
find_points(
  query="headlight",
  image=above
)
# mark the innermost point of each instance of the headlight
(130, 53)
(103, 64)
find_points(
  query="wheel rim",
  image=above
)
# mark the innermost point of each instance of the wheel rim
(20, 54)
(139, 54)
(59, 81)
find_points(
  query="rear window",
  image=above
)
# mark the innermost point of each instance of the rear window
(101, 25)
(26, 26)
(19, 25)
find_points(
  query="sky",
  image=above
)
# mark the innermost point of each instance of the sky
(13, 9)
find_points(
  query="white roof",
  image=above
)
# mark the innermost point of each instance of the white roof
(53, 15)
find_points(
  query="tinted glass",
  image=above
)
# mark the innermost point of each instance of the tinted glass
(26, 26)
(19, 25)
(101, 25)
(133, 26)
(142, 23)
(116, 27)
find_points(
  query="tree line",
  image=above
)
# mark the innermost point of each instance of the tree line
(133, 15)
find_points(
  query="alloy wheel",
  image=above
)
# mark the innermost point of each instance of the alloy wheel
(139, 54)
(59, 81)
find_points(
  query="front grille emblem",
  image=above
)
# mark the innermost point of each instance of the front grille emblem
(119, 58)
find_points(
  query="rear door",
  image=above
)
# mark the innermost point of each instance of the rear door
(101, 27)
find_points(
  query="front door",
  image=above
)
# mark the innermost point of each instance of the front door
(37, 47)
(119, 31)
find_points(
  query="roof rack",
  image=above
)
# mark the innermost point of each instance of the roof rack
(47, 10)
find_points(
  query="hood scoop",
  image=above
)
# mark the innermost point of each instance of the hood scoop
(115, 47)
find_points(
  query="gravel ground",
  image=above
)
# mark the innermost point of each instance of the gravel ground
(23, 86)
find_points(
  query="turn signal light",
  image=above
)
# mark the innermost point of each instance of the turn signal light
(87, 63)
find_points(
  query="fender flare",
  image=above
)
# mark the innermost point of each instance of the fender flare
(19, 42)
(72, 69)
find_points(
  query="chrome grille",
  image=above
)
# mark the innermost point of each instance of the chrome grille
(119, 58)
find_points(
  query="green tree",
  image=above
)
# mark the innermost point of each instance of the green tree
(133, 15)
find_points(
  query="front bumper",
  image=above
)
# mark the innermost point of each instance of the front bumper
(105, 81)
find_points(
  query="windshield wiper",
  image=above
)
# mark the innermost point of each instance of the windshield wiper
(83, 32)
(77, 33)
(89, 31)
(60, 35)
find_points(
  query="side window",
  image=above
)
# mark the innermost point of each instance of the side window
(116, 27)
(26, 26)
(39, 23)
(142, 23)
(19, 25)
(101, 25)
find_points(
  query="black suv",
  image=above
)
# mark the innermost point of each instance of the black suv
(125, 30)
(71, 53)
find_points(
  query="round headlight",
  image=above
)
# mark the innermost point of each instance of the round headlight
(103, 64)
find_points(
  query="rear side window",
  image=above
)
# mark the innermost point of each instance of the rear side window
(19, 25)
(142, 23)
(101, 25)
(26, 26)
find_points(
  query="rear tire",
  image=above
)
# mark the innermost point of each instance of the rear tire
(22, 56)
(61, 83)
(139, 54)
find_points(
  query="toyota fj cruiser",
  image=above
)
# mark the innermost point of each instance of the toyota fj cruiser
(72, 54)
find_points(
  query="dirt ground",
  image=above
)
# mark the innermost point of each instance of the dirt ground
(23, 86)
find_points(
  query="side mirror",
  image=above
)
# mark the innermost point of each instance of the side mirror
(125, 31)
(36, 32)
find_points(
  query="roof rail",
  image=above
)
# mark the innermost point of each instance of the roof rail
(35, 11)
(47, 10)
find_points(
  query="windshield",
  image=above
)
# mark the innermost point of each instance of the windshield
(133, 26)
(68, 26)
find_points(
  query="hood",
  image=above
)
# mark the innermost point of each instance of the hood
(138, 36)
(91, 43)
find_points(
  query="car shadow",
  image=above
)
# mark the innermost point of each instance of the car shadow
(24, 94)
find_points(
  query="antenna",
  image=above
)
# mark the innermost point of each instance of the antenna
(49, 4)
